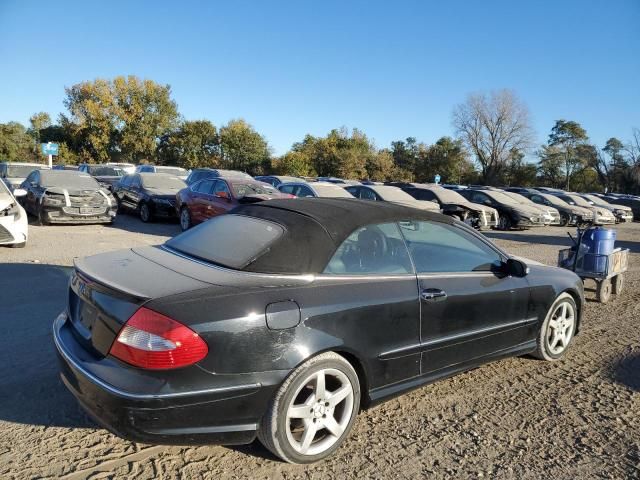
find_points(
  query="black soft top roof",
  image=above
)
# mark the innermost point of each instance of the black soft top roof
(316, 227)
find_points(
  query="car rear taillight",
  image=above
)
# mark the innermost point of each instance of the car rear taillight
(154, 341)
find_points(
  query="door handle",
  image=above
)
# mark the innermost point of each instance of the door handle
(433, 295)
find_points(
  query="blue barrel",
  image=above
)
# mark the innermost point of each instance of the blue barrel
(598, 241)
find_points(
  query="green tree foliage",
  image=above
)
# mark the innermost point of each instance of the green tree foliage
(519, 172)
(566, 137)
(123, 116)
(193, 144)
(38, 121)
(16, 144)
(341, 153)
(242, 148)
(293, 163)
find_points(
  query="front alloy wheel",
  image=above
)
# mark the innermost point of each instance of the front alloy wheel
(504, 223)
(185, 219)
(558, 329)
(145, 213)
(313, 411)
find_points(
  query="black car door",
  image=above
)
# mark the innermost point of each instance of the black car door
(133, 193)
(469, 308)
(368, 297)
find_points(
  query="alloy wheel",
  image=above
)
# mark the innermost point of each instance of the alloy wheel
(319, 412)
(561, 328)
(185, 219)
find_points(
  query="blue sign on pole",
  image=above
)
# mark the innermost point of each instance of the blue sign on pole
(49, 148)
(437, 178)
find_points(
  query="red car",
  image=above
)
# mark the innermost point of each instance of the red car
(214, 196)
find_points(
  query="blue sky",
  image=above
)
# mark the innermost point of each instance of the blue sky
(392, 69)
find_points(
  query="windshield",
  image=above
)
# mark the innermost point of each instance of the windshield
(331, 191)
(100, 171)
(233, 241)
(20, 171)
(448, 196)
(593, 200)
(160, 181)
(500, 197)
(67, 179)
(553, 200)
(171, 170)
(393, 194)
(579, 201)
(518, 198)
(242, 189)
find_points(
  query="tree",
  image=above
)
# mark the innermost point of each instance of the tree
(16, 144)
(242, 148)
(492, 125)
(144, 111)
(38, 121)
(123, 117)
(518, 171)
(447, 158)
(193, 144)
(566, 136)
(293, 163)
(550, 169)
(406, 153)
(380, 167)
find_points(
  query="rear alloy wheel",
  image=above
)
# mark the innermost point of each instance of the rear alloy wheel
(564, 219)
(42, 217)
(313, 411)
(185, 219)
(145, 213)
(558, 329)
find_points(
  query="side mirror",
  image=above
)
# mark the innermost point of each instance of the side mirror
(487, 202)
(19, 192)
(516, 268)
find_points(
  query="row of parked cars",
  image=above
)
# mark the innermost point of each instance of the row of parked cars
(95, 193)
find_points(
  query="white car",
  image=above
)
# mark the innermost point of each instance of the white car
(13, 218)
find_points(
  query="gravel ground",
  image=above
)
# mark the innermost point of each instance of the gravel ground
(517, 418)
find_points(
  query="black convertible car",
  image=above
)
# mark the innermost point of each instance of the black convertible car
(282, 319)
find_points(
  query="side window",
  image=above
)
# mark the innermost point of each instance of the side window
(367, 194)
(437, 247)
(353, 191)
(221, 187)
(371, 250)
(205, 187)
(427, 195)
(135, 182)
(286, 189)
(537, 199)
(3, 171)
(305, 191)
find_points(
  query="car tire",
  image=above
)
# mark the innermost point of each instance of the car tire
(504, 223)
(323, 423)
(558, 329)
(41, 218)
(564, 219)
(185, 219)
(145, 213)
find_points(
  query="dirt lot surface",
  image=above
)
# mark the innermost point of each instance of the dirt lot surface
(517, 418)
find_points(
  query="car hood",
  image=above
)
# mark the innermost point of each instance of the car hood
(73, 191)
(166, 192)
(526, 209)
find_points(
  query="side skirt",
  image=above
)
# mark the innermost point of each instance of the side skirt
(388, 392)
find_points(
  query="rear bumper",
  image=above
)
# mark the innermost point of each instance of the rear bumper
(225, 412)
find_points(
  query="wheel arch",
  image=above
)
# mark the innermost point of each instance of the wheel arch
(578, 299)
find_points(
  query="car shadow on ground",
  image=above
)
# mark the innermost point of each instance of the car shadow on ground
(31, 391)
(132, 223)
(561, 240)
(626, 371)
